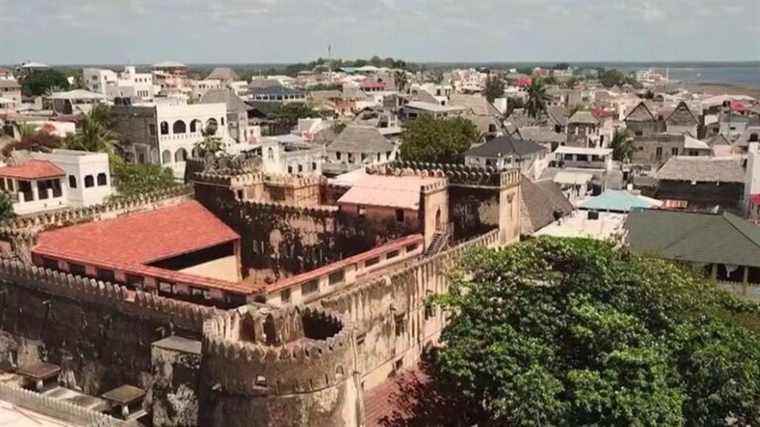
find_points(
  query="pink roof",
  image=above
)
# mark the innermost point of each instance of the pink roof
(524, 82)
(387, 191)
(737, 106)
(139, 238)
(32, 169)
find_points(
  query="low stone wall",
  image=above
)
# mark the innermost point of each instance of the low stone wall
(55, 408)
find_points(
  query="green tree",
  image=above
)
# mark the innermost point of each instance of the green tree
(34, 140)
(401, 80)
(576, 332)
(6, 206)
(290, 113)
(610, 78)
(134, 179)
(210, 144)
(427, 139)
(537, 98)
(550, 80)
(622, 146)
(44, 81)
(494, 88)
(94, 133)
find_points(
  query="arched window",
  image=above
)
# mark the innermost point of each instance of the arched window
(72, 181)
(102, 179)
(179, 127)
(754, 138)
(89, 181)
(180, 155)
(212, 126)
(270, 153)
(222, 121)
(164, 128)
(195, 126)
(166, 157)
(196, 153)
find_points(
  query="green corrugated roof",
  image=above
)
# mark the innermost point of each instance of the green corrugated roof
(696, 237)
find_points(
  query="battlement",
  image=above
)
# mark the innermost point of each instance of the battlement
(289, 209)
(223, 165)
(286, 351)
(294, 180)
(438, 185)
(228, 180)
(458, 174)
(137, 303)
(110, 209)
(253, 178)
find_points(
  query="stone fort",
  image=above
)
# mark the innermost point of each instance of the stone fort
(243, 299)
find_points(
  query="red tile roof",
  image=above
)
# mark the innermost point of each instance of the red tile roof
(139, 238)
(379, 402)
(32, 169)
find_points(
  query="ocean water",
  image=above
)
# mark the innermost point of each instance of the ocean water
(742, 76)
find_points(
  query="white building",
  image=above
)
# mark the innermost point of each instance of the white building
(128, 84)
(289, 154)
(166, 132)
(57, 180)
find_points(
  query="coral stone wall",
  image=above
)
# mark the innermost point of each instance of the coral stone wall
(258, 371)
(99, 334)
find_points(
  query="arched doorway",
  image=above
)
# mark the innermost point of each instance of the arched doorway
(438, 220)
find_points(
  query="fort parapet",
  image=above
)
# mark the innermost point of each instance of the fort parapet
(266, 366)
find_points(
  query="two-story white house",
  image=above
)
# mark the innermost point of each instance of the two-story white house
(56, 180)
(165, 133)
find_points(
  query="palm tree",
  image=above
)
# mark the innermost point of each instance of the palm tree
(622, 146)
(94, 134)
(25, 130)
(401, 79)
(537, 98)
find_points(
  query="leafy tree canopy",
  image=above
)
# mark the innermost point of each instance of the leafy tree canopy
(290, 113)
(6, 206)
(427, 139)
(134, 179)
(44, 81)
(610, 78)
(575, 332)
(494, 88)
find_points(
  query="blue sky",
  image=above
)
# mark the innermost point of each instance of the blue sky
(241, 31)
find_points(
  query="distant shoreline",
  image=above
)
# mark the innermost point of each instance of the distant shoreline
(722, 89)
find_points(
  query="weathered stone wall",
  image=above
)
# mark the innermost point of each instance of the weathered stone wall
(391, 320)
(100, 334)
(259, 372)
(277, 239)
(56, 408)
(176, 367)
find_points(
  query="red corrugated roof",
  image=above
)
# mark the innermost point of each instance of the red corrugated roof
(140, 238)
(32, 169)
